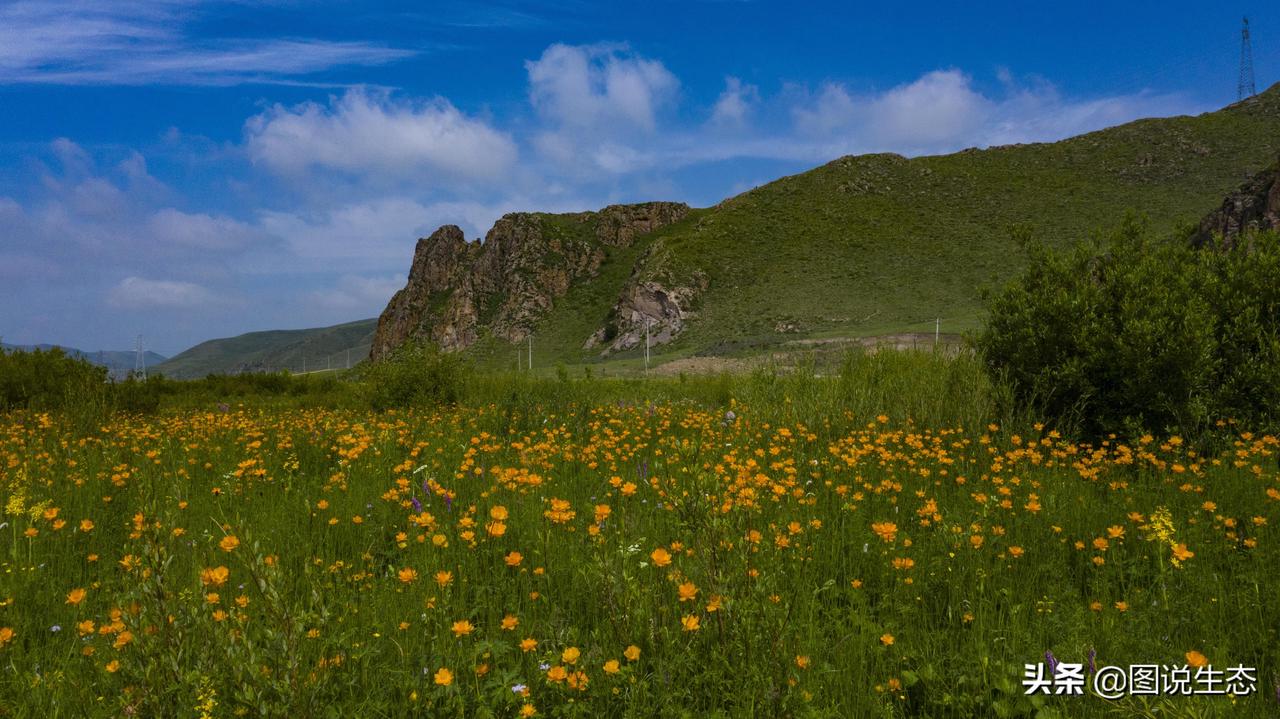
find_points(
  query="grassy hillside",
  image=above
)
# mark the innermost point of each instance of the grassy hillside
(292, 350)
(878, 243)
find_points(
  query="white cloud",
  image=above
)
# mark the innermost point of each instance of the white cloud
(137, 42)
(594, 86)
(359, 294)
(200, 230)
(140, 293)
(368, 132)
(942, 111)
(735, 103)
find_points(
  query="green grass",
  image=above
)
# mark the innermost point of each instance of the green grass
(879, 244)
(274, 350)
(779, 511)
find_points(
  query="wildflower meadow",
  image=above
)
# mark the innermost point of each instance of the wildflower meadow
(764, 555)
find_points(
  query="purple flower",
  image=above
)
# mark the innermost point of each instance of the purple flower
(448, 503)
(1051, 660)
(426, 489)
(417, 506)
(1093, 656)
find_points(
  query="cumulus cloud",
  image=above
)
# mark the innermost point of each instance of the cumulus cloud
(735, 103)
(942, 111)
(366, 131)
(200, 230)
(141, 293)
(590, 86)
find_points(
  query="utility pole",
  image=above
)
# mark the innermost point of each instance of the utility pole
(646, 345)
(1245, 87)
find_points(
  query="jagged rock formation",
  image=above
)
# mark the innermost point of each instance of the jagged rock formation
(654, 301)
(1255, 206)
(458, 290)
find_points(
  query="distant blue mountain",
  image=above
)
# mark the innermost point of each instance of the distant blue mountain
(119, 362)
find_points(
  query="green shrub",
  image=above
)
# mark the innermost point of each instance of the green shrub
(1136, 333)
(417, 374)
(49, 380)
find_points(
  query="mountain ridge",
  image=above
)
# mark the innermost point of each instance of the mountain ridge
(881, 243)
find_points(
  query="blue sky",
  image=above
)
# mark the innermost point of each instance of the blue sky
(187, 170)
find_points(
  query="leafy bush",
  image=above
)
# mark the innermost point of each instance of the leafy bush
(417, 374)
(48, 379)
(1137, 334)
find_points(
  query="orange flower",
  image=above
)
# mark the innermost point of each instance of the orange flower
(612, 667)
(570, 655)
(216, 576)
(528, 644)
(690, 623)
(1196, 659)
(229, 543)
(6, 635)
(443, 578)
(688, 591)
(462, 627)
(632, 653)
(443, 677)
(513, 559)
(802, 661)
(408, 575)
(660, 557)
(509, 622)
(1181, 553)
(75, 596)
(886, 639)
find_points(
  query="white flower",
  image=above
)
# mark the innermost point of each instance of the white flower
(519, 689)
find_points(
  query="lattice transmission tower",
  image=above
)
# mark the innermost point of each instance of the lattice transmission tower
(140, 362)
(1245, 88)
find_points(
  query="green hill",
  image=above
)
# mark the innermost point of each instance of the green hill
(304, 350)
(879, 244)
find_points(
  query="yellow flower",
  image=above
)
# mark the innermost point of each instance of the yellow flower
(886, 639)
(443, 677)
(498, 513)
(85, 627)
(123, 639)
(632, 653)
(113, 666)
(216, 576)
(513, 559)
(1115, 532)
(1015, 552)
(509, 622)
(527, 710)
(1181, 553)
(557, 673)
(229, 543)
(75, 596)
(688, 591)
(660, 557)
(86, 525)
(443, 578)
(462, 627)
(690, 622)
(408, 575)
(612, 667)
(528, 644)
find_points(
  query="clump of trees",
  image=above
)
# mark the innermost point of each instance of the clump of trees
(1132, 333)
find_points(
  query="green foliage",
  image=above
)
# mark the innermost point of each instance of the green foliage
(417, 374)
(48, 379)
(1140, 334)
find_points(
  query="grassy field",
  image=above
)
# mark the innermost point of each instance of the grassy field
(884, 542)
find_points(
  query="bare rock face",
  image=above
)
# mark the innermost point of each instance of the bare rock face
(1255, 206)
(458, 290)
(653, 302)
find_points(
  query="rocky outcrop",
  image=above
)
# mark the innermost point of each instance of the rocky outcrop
(1255, 206)
(458, 290)
(653, 302)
